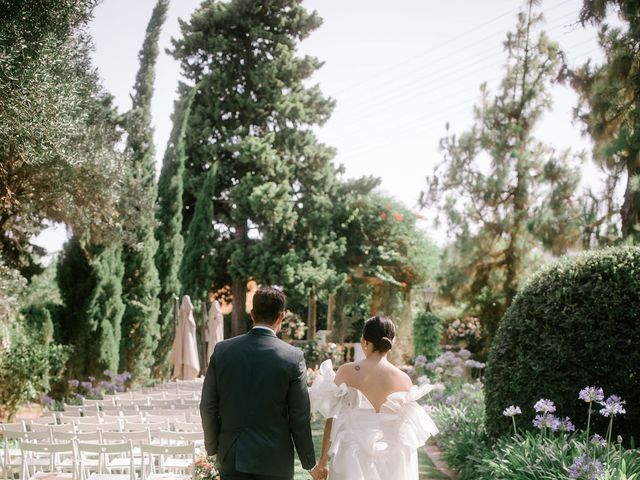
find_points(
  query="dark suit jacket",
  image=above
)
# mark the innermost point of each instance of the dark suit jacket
(255, 394)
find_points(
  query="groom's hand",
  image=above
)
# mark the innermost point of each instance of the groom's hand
(319, 472)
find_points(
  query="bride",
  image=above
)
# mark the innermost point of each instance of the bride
(374, 423)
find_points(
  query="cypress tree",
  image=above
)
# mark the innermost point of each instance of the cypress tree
(253, 115)
(169, 229)
(90, 282)
(198, 264)
(141, 284)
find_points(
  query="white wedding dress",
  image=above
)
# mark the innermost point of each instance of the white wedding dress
(366, 445)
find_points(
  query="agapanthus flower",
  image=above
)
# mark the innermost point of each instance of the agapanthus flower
(420, 361)
(474, 364)
(73, 383)
(614, 405)
(423, 379)
(565, 425)
(86, 385)
(586, 467)
(591, 394)
(79, 396)
(544, 406)
(546, 421)
(109, 373)
(598, 441)
(464, 353)
(47, 401)
(512, 411)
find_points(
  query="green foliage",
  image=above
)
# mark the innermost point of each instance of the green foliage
(169, 229)
(573, 325)
(609, 101)
(427, 334)
(503, 193)
(253, 115)
(58, 128)
(462, 436)
(141, 285)
(198, 269)
(25, 371)
(90, 282)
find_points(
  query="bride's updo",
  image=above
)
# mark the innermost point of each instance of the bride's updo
(380, 331)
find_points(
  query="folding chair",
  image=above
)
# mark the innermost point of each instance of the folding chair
(104, 451)
(10, 448)
(40, 461)
(45, 420)
(63, 427)
(104, 427)
(179, 438)
(170, 458)
(188, 427)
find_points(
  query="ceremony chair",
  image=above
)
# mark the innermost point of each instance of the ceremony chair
(162, 461)
(104, 451)
(41, 460)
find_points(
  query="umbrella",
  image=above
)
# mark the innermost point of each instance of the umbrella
(184, 352)
(215, 328)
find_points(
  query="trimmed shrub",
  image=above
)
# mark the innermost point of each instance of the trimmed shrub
(576, 323)
(427, 333)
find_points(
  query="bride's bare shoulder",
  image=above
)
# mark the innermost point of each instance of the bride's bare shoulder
(402, 378)
(344, 372)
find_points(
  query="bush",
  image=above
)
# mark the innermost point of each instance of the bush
(462, 436)
(427, 333)
(576, 323)
(25, 370)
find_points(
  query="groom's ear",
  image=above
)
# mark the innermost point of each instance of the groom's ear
(251, 315)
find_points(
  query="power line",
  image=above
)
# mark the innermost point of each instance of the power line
(445, 43)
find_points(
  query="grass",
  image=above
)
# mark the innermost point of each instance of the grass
(426, 468)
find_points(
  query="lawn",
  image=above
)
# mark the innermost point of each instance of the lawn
(427, 470)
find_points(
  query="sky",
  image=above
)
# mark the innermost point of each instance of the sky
(399, 70)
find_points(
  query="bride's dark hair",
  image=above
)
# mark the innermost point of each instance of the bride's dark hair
(380, 331)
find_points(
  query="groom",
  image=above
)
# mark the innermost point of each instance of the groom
(255, 404)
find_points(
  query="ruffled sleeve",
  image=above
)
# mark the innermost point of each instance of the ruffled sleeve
(416, 426)
(327, 397)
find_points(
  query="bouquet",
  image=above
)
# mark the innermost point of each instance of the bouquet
(205, 468)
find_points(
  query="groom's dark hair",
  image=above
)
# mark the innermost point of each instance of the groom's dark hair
(268, 303)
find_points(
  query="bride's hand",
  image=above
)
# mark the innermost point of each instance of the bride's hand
(319, 472)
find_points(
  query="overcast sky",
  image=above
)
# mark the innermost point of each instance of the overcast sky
(398, 69)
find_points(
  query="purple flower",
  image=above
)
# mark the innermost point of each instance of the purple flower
(512, 411)
(420, 361)
(565, 425)
(92, 379)
(86, 385)
(474, 364)
(585, 466)
(544, 406)
(79, 396)
(73, 383)
(613, 406)
(109, 373)
(47, 401)
(546, 421)
(598, 441)
(591, 394)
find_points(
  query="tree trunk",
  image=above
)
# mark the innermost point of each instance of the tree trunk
(312, 316)
(331, 306)
(630, 211)
(239, 311)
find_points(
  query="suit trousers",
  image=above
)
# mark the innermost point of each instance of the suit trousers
(228, 470)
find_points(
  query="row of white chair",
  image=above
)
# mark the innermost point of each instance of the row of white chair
(156, 422)
(12, 458)
(190, 414)
(77, 460)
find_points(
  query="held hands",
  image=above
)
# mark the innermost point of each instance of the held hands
(319, 472)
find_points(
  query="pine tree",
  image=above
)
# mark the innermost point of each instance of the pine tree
(253, 116)
(504, 194)
(610, 107)
(169, 228)
(141, 284)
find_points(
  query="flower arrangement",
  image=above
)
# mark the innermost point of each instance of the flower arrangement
(467, 329)
(205, 468)
(293, 326)
(317, 352)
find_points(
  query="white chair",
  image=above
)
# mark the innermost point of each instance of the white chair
(10, 450)
(104, 427)
(104, 451)
(41, 460)
(162, 461)
(136, 439)
(179, 438)
(63, 427)
(68, 409)
(45, 420)
(13, 457)
(187, 427)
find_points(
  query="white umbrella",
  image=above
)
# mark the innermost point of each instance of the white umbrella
(184, 352)
(215, 328)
